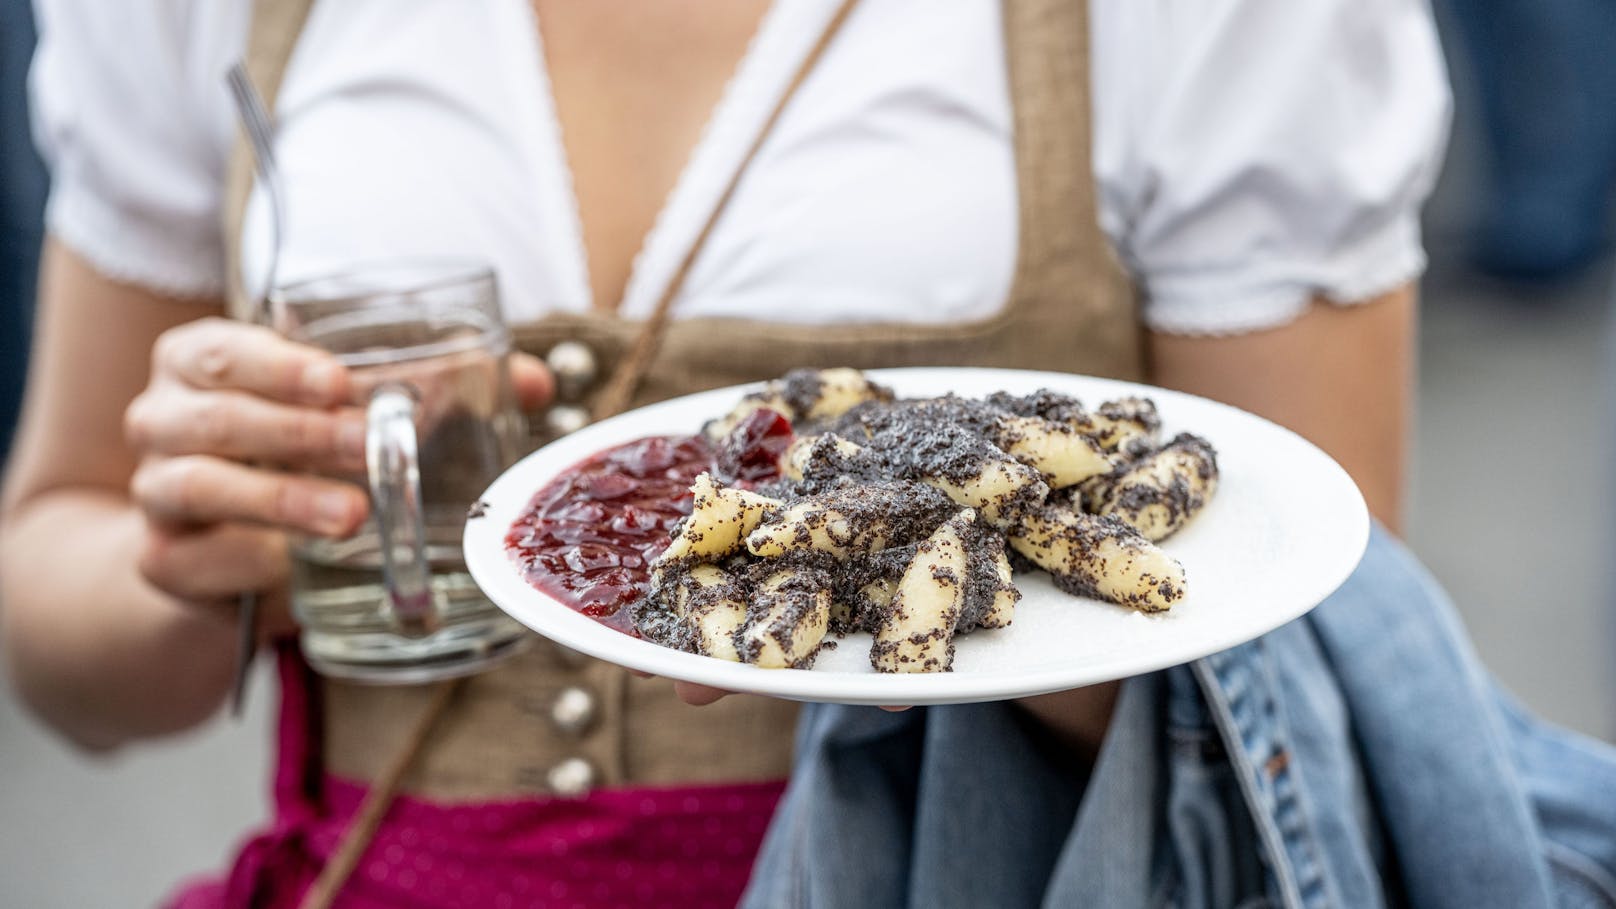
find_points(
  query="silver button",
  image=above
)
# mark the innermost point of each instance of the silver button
(574, 367)
(563, 419)
(572, 777)
(573, 711)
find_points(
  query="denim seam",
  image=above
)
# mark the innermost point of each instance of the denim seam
(1273, 840)
(1299, 808)
(1575, 862)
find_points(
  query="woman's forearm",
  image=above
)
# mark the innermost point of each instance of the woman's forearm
(94, 650)
(1342, 377)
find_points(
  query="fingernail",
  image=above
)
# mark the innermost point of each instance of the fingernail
(333, 509)
(320, 381)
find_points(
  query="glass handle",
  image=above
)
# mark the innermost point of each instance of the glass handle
(395, 494)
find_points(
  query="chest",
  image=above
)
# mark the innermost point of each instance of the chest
(633, 85)
(580, 153)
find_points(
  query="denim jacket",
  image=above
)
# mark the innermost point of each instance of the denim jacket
(1358, 757)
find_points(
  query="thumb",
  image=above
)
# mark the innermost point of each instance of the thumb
(698, 695)
(532, 381)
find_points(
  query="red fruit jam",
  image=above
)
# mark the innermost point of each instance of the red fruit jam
(751, 452)
(588, 538)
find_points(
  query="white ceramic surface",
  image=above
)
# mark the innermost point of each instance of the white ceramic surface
(1284, 531)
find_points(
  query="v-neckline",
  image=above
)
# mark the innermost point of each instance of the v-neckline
(783, 38)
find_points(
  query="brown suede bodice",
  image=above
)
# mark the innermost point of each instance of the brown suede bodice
(1071, 308)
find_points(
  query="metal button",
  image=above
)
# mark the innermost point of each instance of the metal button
(573, 711)
(565, 418)
(574, 367)
(572, 777)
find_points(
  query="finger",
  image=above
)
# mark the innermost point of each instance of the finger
(218, 353)
(197, 489)
(274, 617)
(180, 421)
(894, 709)
(531, 379)
(699, 695)
(215, 563)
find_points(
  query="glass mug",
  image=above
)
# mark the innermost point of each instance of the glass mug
(428, 356)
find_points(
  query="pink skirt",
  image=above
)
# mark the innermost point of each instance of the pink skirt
(685, 848)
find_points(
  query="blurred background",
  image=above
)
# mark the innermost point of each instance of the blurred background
(1512, 506)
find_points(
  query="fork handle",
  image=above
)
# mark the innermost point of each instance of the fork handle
(246, 649)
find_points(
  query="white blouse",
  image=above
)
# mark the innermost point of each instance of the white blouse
(1249, 154)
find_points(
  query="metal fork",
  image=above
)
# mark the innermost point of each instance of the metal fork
(255, 119)
(254, 116)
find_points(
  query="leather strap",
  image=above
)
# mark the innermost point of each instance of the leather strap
(368, 819)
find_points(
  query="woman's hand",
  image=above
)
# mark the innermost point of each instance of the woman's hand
(225, 402)
(696, 695)
(232, 433)
(111, 626)
(701, 695)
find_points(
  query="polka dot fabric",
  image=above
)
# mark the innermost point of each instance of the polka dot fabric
(679, 848)
(675, 848)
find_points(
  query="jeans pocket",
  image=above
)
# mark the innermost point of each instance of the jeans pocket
(1214, 839)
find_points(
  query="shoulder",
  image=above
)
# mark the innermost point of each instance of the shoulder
(131, 114)
(1256, 154)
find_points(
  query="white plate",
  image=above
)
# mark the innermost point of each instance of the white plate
(1285, 529)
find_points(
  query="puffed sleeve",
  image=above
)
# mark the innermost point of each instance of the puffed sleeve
(129, 113)
(1255, 154)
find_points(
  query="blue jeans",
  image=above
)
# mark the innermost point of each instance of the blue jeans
(1356, 757)
(22, 206)
(1546, 90)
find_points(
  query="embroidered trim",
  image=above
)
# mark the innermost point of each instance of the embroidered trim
(1255, 302)
(557, 195)
(786, 32)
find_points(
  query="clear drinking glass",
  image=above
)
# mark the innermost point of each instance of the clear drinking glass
(428, 353)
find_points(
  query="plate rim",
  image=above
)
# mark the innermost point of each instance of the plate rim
(597, 640)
